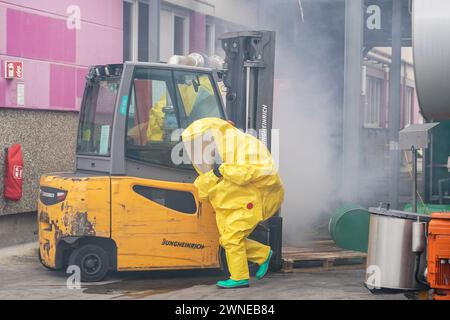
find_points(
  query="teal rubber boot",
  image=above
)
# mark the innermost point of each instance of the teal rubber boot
(231, 284)
(262, 271)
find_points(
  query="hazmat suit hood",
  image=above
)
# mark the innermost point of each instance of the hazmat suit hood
(212, 141)
(200, 143)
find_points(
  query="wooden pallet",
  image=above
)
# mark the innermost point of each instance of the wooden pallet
(321, 256)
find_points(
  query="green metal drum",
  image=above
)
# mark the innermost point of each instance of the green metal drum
(349, 227)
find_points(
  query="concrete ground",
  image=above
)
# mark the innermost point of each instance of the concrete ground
(23, 277)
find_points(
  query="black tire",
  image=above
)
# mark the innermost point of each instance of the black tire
(93, 262)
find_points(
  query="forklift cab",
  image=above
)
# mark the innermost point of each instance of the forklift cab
(139, 119)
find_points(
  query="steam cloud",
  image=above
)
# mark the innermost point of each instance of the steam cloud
(309, 64)
(309, 85)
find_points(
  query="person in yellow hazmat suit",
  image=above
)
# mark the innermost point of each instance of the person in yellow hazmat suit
(240, 179)
(190, 96)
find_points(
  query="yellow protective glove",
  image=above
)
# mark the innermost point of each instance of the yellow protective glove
(204, 183)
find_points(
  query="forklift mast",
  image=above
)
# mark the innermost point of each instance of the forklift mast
(249, 79)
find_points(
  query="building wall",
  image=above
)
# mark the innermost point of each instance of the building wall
(56, 49)
(238, 12)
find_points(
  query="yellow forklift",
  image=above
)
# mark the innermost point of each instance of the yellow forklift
(129, 205)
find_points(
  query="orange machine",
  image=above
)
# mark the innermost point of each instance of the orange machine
(439, 255)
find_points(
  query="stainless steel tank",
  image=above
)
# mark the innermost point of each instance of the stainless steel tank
(431, 48)
(391, 262)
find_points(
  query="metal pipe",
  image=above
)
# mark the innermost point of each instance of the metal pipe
(379, 58)
(247, 98)
(252, 114)
(352, 98)
(418, 237)
(394, 103)
(385, 57)
(414, 179)
(416, 274)
(431, 166)
(363, 80)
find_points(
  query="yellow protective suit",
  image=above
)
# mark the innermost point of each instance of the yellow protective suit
(249, 191)
(155, 131)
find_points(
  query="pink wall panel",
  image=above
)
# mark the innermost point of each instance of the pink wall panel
(2, 86)
(104, 12)
(37, 79)
(39, 37)
(2, 29)
(99, 45)
(13, 18)
(56, 57)
(62, 87)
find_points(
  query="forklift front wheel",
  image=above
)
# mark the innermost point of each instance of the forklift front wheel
(93, 262)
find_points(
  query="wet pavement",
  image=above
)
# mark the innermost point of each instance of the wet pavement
(23, 277)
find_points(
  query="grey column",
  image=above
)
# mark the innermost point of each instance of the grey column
(394, 104)
(154, 30)
(352, 98)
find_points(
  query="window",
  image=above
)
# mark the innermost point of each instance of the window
(408, 106)
(136, 28)
(151, 117)
(198, 97)
(143, 35)
(210, 39)
(373, 102)
(174, 33)
(161, 102)
(127, 31)
(178, 36)
(181, 201)
(96, 117)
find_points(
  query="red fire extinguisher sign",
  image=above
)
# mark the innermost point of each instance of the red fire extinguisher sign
(13, 70)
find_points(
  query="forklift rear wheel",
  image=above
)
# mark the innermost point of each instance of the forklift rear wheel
(93, 262)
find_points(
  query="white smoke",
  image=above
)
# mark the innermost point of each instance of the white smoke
(307, 110)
